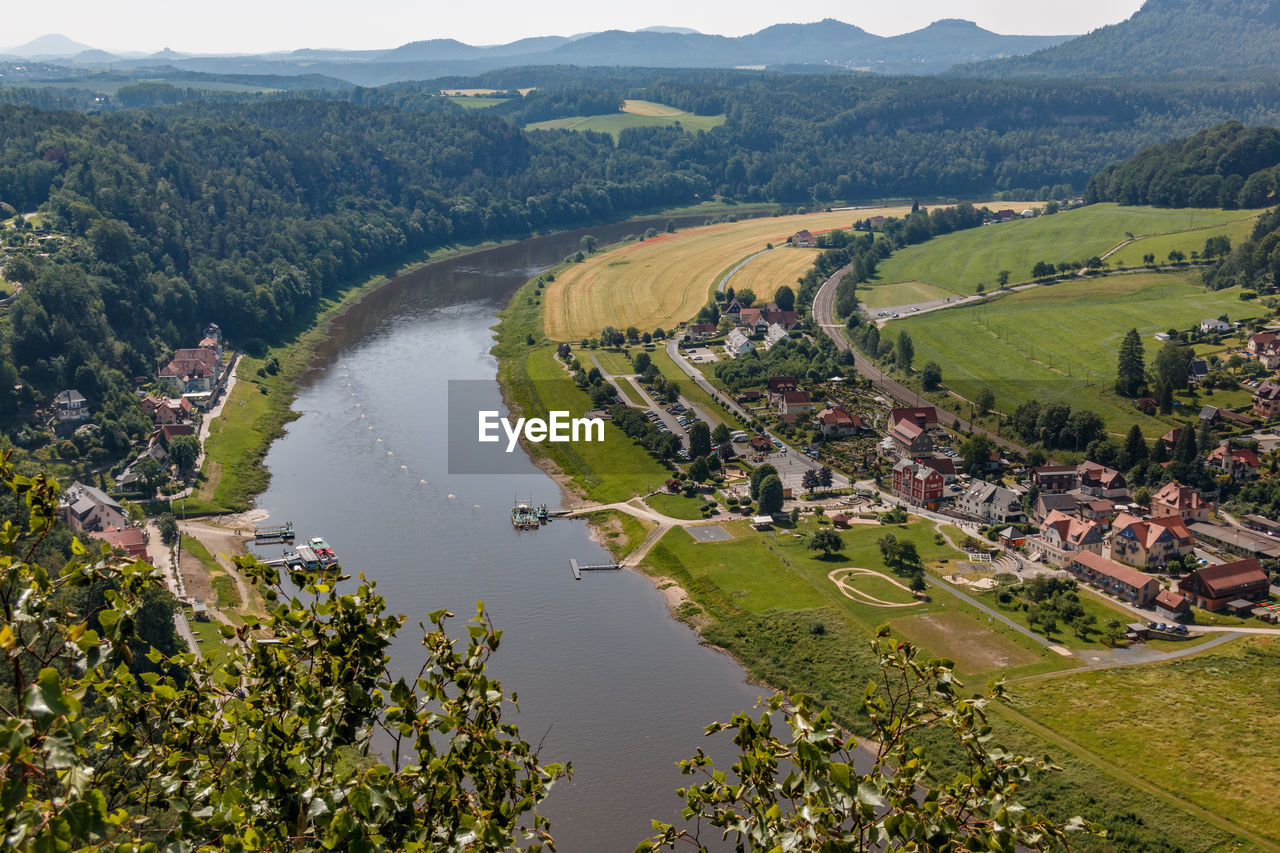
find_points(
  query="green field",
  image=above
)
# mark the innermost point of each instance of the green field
(676, 506)
(691, 390)
(633, 114)
(611, 362)
(962, 260)
(764, 573)
(1203, 718)
(1186, 242)
(475, 102)
(1059, 343)
(901, 293)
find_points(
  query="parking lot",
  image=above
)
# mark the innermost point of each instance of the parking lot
(701, 355)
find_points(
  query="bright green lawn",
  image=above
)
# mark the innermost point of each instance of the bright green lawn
(1206, 719)
(676, 506)
(763, 573)
(615, 123)
(691, 390)
(612, 470)
(1102, 611)
(962, 260)
(1059, 343)
(1186, 241)
(611, 362)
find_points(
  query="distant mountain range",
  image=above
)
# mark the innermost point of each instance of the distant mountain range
(1163, 38)
(826, 44)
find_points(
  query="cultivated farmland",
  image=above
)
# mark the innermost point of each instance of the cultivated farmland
(1059, 343)
(665, 280)
(633, 114)
(965, 259)
(763, 275)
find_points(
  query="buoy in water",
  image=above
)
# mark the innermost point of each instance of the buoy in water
(452, 496)
(404, 467)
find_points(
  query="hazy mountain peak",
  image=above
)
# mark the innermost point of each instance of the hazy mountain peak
(53, 44)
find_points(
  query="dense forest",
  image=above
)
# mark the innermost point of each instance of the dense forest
(245, 209)
(1228, 165)
(1172, 38)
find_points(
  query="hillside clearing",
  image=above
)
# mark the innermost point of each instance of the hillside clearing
(1059, 343)
(963, 260)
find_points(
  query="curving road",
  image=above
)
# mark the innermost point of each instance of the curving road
(825, 316)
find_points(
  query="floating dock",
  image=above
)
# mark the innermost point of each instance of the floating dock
(600, 567)
(270, 535)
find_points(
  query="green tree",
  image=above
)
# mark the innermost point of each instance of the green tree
(985, 401)
(1135, 447)
(641, 362)
(976, 452)
(746, 296)
(931, 376)
(785, 298)
(151, 474)
(801, 791)
(183, 451)
(771, 495)
(168, 528)
(1002, 278)
(1172, 362)
(759, 473)
(906, 350)
(698, 470)
(699, 439)
(720, 434)
(826, 540)
(321, 745)
(826, 477)
(1131, 365)
(809, 480)
(633, 335)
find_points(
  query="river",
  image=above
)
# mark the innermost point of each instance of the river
(606, 678)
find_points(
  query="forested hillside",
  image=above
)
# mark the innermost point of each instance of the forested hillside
(245, 209)
(1173, 38)
(1228, 165)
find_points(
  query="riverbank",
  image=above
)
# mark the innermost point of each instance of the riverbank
(767, 606)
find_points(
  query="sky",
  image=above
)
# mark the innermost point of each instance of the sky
(244, 26)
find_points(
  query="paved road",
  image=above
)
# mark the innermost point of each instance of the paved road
(635, 389)
(791, 463)
(824, 316)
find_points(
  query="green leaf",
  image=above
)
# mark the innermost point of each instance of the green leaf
(45, 698)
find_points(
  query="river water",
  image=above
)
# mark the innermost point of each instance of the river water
(606, 678)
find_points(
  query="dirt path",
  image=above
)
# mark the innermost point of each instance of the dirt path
(223, 544)
(840, 577)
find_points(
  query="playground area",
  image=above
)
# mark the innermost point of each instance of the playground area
(867, 586)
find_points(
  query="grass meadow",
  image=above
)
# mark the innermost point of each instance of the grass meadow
(965, 259)
(1059, 343)
(1201, 719)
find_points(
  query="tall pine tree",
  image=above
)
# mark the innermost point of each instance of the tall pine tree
(1131, 365)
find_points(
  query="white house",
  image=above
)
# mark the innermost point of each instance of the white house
(775, 334)
(991, 503)
(72, 406)
(738, 343)
(1212, 324)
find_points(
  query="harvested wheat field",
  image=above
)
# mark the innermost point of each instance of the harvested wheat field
(665, 280)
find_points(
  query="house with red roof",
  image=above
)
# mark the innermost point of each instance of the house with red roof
(835, 421)
(1062, 535)
(131, 540)
(1131, 585)
(1183, 501)
(1236, 462)
(794, 402)
(1214, 587)
(1172, 605)
(1261, 342)
(916, 483)
(909, 428)
(1150, 542)
(802, 239)
(1101, 481)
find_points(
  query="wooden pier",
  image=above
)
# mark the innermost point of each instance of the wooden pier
(601, 567)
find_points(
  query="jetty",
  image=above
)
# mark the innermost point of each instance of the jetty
(599, 567)
(272, 535)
